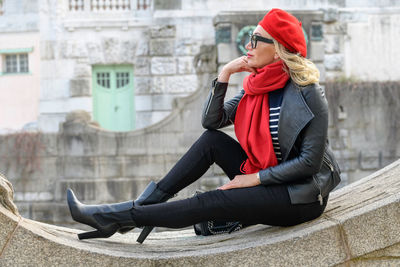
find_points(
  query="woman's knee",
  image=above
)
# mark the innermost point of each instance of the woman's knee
(213, 136)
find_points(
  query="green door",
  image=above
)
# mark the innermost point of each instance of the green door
(113, 97)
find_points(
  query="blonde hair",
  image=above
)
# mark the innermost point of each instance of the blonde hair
(301, 70)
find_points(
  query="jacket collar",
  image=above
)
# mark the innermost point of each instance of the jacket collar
(294, 116)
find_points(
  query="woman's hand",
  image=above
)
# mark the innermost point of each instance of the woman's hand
(246, 180)
(237, 65)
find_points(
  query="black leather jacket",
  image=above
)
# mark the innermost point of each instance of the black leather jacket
(308, 166)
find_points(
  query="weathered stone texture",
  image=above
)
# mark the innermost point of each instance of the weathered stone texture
(142, 66)
(8, 222)
(225, 52)
(60, 68)
(54, 88)
(163, 101)
(111, 50)
(163, 65)
(167, 4)
(317, 51)
(95, 53)
(143, 85)
(206, 60)
(143, 103)
(358, 228)
(334, 62)
(73, 49)
(143, 118)
(142, 48)
(185, 65)
(162, 31)
(127, 52)
(332, 43)
(186, 48)
(331, 15)
(47, 50)
(322, 72)
(7, 194)
(175, 84)
(80, 87)
(161, 47)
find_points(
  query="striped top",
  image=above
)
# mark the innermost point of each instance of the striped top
(275, 102)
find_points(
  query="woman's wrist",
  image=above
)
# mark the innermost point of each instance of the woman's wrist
(223, 76)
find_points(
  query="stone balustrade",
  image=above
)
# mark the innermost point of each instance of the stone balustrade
(108, 5)
(360, 227)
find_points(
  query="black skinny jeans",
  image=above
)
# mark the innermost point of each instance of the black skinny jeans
(252, 205)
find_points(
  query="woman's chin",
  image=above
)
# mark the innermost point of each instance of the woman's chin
(252, 65)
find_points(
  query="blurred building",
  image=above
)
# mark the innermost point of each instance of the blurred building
(124, 61)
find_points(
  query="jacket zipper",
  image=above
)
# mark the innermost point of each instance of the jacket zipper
(327, 161)
(321, 201)
(209, 102)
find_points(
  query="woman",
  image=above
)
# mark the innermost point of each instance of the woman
(281, 169)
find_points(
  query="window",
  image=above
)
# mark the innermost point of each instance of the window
(103, 79)
(122, 79)
(16, 63)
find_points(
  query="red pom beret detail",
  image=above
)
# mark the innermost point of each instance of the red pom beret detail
(286, 29)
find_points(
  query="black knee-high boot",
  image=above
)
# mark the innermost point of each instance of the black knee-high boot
(107, 219)
(85, 213)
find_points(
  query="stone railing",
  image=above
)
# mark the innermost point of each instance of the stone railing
(360, 227)
(108, 5)
(101, 14)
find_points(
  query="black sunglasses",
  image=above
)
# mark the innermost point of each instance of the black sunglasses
(254, 38)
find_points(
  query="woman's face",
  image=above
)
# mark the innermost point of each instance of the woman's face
(264, 53)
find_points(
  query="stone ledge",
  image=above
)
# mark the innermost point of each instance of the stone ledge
(360, 220)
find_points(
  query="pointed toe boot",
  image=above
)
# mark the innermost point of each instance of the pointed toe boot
(106, 219)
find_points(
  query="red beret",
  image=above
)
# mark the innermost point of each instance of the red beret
(286, 29)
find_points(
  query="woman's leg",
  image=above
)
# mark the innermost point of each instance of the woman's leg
(253, 205)
(212, 147)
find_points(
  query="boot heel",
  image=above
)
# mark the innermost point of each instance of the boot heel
(145, 232)
(93, 234)
(124, 230)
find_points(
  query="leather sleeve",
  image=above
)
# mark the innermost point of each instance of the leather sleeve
(216, 113)
(312, 144)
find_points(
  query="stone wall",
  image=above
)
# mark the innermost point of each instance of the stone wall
(19, 16)
(364, 119)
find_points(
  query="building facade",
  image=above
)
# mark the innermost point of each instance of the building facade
(124, 61)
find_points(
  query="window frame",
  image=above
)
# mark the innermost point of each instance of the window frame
(22, 61)
(21, 67)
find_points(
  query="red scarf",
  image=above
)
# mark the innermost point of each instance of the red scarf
(252, 117)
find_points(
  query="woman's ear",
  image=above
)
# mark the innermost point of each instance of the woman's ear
(276, 56)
